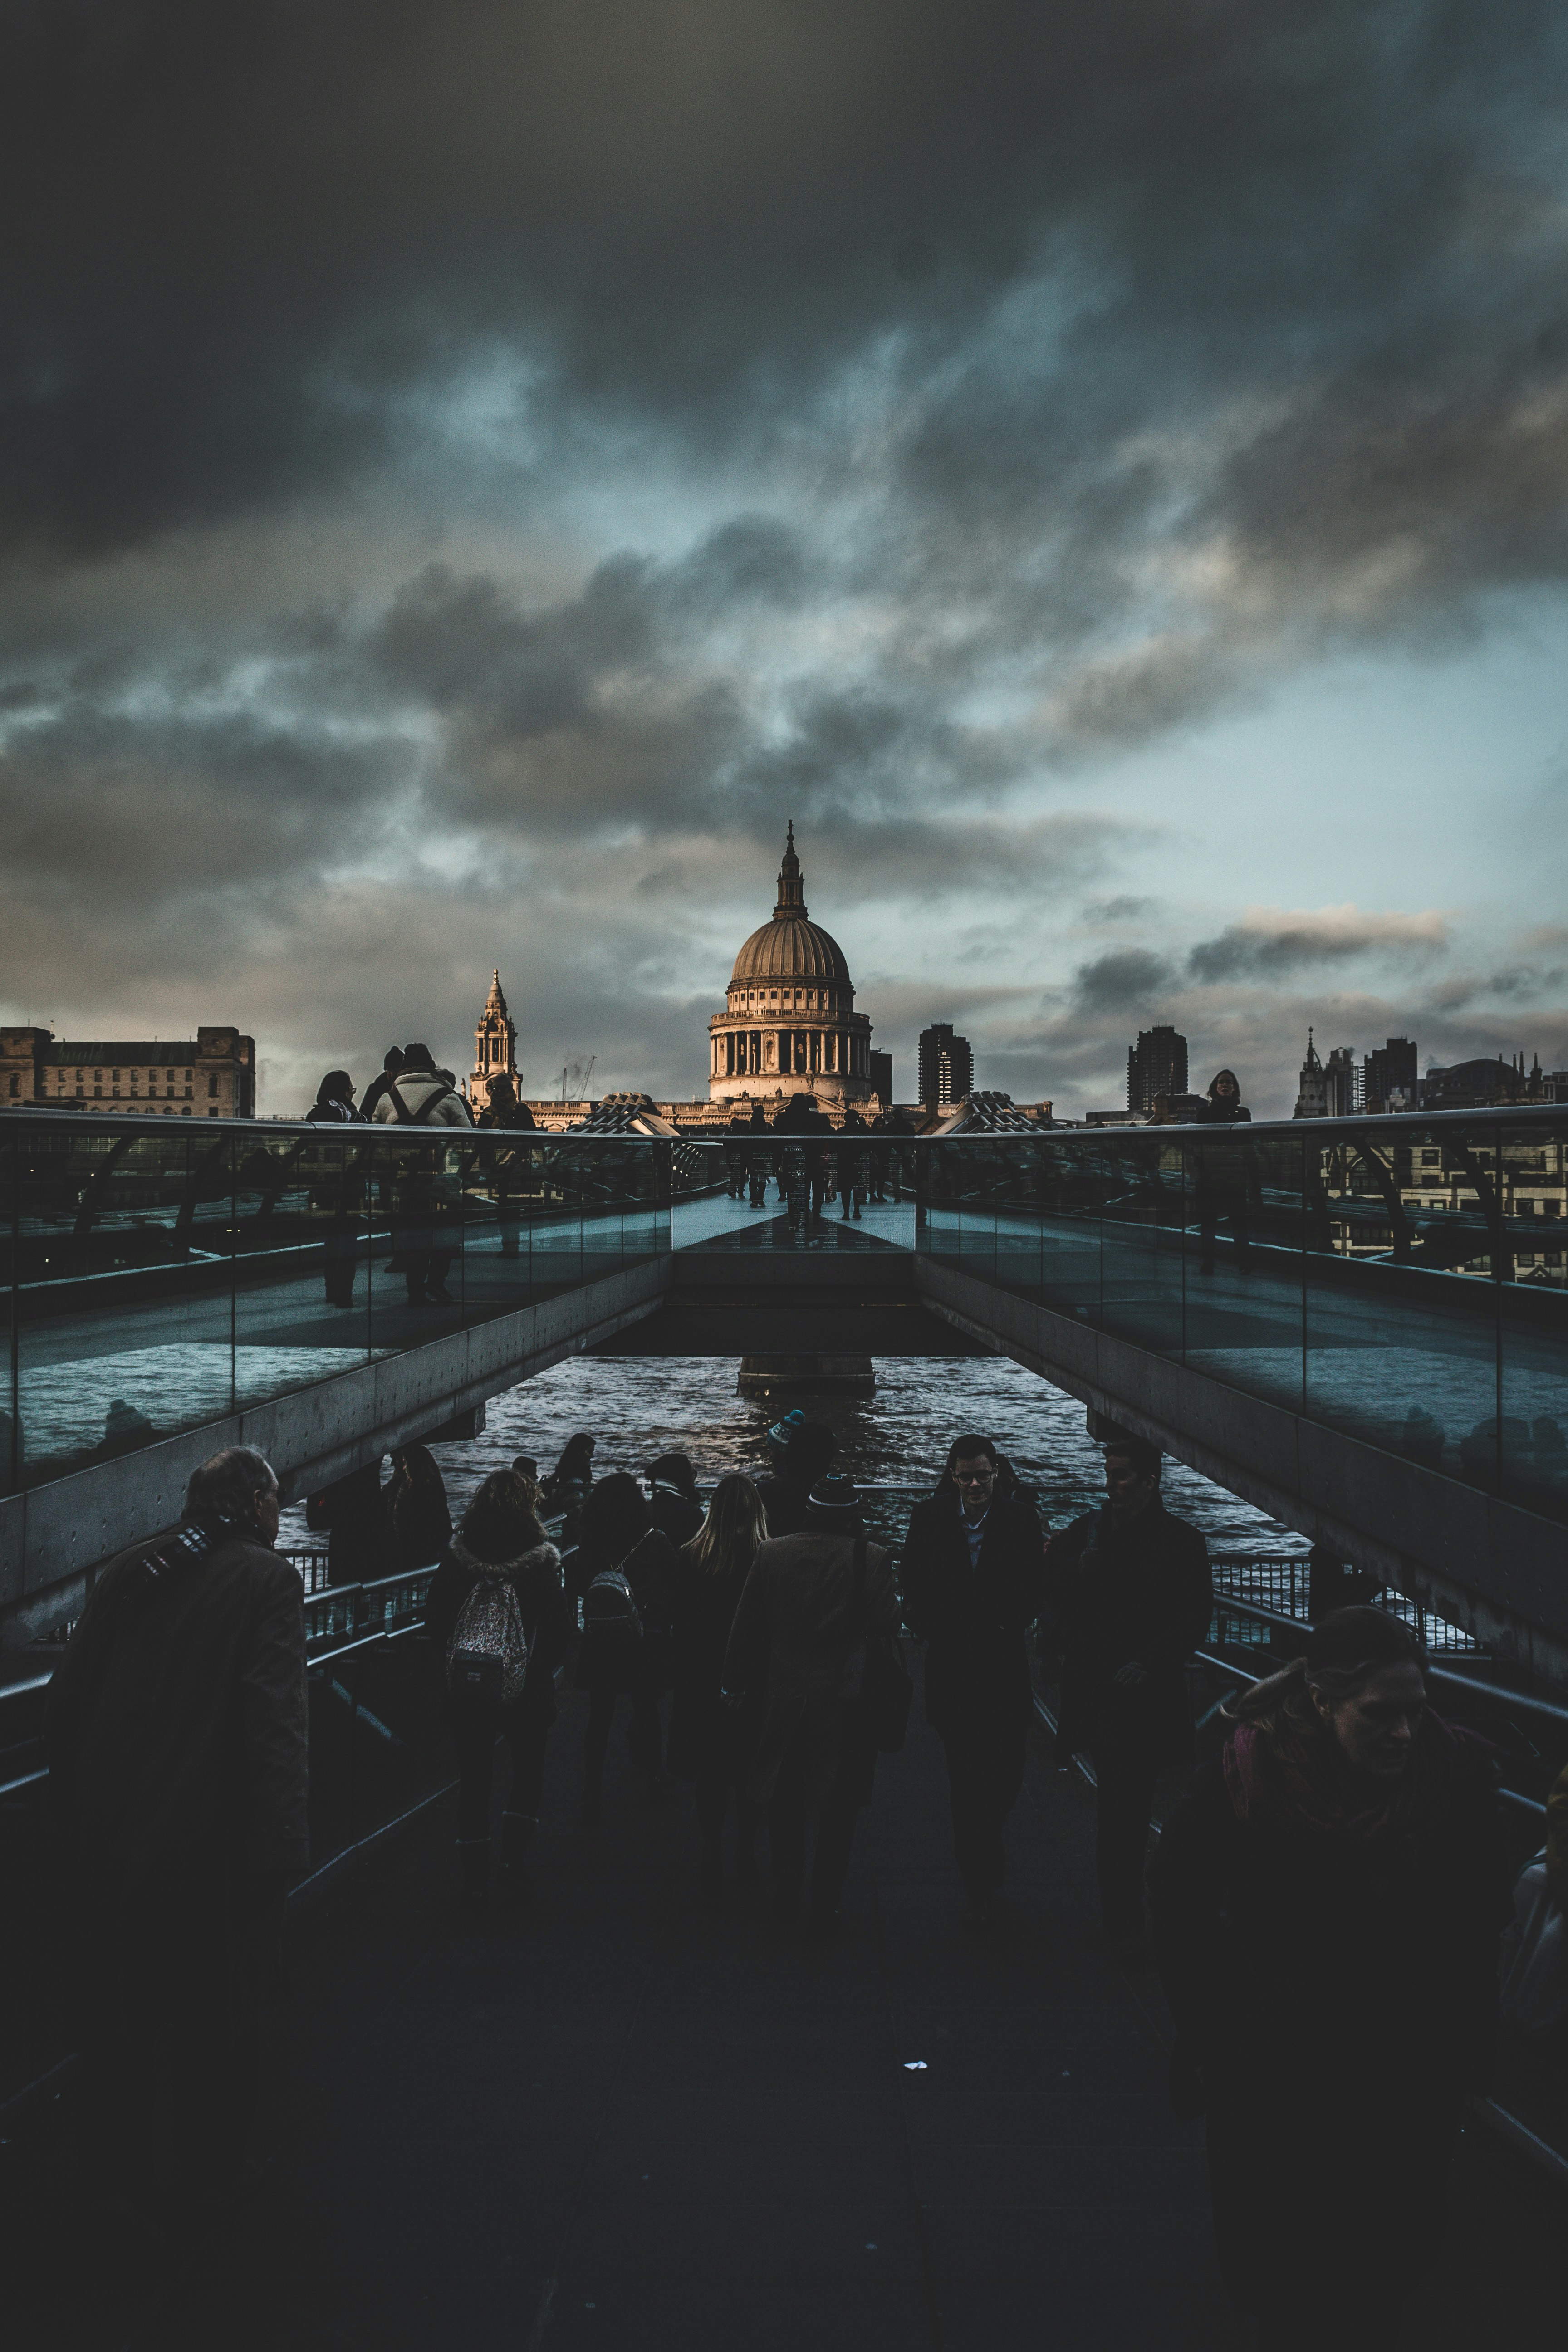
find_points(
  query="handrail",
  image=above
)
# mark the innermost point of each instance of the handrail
(1435, 1674)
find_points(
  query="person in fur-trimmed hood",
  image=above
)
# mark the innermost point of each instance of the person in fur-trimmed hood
(498, 1539)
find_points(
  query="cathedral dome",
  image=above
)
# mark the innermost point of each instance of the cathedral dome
(791, 948)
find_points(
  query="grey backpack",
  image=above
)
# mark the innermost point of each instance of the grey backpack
(487, 1657)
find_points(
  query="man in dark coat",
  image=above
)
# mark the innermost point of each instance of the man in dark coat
(175, 1734)
(974, 1580)
(796, 1647)
(1131, 1596)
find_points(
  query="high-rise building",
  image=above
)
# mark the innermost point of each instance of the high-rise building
(1157, 1064)
(882, 1070)
(946, 1066)
(210, 1075)
(1341, 1084)
(1388, 1073)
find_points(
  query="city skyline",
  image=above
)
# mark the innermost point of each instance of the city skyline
(1123, 527)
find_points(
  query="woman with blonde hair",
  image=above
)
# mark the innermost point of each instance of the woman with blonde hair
(709, 1742)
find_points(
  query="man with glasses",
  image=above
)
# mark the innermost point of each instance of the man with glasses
(1131, 1596)
(973, 1582)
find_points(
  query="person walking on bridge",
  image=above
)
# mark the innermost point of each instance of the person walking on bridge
(176, 1738)
(1328, 1904)
(974, 1580)
(1130, 1596)
(811, 1605)
(1222, 1173)
(494, 1695)
(421, 1096)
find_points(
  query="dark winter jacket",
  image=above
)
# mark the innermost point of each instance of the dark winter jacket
(799, 1642)
(606, 1661)
(974, 1619)
(421, 1529)
(175, 1727)
(674, 1516)
(354, 1509)
(1126, 1591)
(547, 1615)
(702, 1731)
(1301, 1963)
(1221, 1168)
(783, 1497)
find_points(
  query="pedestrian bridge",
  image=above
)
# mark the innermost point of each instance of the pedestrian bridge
(1384, 1367)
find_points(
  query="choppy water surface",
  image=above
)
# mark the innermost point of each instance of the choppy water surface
(638, 1407)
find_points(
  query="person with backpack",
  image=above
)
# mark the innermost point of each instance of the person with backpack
(974, 1580)
(622, 1573)
(176, 1736)
(498, 1616)
(817, 1616)
(708, 1742)
(419, 1094)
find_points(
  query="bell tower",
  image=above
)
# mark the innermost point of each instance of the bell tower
(495, 1048)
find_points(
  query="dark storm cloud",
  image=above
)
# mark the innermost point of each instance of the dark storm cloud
(1127, 981)
(1271, 944)
(1281, 278)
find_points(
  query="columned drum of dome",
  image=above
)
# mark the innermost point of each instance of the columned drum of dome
(789, 1023)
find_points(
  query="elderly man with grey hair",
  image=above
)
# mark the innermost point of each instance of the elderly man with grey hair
(176, 1741)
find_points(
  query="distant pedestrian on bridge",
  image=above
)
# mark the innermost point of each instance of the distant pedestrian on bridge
(391, 1062)
(1328, 1904)
(812, 1606)
(509, 1167)
(498, 1615)
(1223, 1174)
(175, 1734)
(1131, 1597)
(335, 1099)
(974, 1580)
(709, 1742)
(427, 1203)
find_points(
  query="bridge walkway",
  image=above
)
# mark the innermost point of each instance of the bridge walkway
(620, 2121)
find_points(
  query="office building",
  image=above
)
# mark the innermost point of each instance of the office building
(1157, 1064)
(946, 1066)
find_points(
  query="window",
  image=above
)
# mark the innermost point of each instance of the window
(189, 1075)
(212, 1082)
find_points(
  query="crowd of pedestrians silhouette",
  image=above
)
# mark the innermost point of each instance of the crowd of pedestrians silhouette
(1326, 1901)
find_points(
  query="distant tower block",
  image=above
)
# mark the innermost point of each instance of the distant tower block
(495, 1048)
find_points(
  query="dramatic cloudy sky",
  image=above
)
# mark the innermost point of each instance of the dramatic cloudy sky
(471, 470)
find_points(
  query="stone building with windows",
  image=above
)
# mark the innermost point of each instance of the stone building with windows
(495, 1049)
(211, 1075)
(789, 1023)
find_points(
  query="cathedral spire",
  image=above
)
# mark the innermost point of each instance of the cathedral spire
(791, 898)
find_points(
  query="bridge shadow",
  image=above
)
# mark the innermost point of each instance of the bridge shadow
(619, 2123)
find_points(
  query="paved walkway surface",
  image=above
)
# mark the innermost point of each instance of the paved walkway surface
(624, 2121)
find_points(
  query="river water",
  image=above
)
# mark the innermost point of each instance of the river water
(640, 1406)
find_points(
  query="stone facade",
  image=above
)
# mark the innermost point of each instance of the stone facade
(495, 1049)
(789, 1023)
(211, 1075)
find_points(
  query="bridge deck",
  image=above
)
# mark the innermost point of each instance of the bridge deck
(623, 2123)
